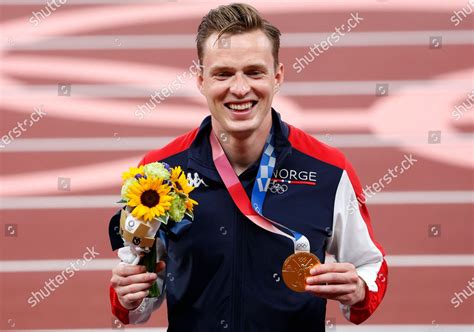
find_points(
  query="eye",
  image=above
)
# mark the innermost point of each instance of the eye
(255, 73)
(223, 75)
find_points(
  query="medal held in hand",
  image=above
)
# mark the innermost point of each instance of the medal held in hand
(296, 269)
(297, 266)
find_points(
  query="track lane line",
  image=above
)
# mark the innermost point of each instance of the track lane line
(340, 328)
(108, 201)
(104, 264)
(288, 40)
(91, 144)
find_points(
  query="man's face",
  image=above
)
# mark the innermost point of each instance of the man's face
(239, 81)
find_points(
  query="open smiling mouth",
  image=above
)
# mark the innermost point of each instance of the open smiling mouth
(241, 107)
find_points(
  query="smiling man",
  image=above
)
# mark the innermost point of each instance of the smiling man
(225, 271)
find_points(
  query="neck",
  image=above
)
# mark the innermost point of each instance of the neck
(244, 149)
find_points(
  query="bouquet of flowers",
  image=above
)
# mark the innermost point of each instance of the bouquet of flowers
(153, 194)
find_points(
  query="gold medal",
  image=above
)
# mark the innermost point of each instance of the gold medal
(296, 269)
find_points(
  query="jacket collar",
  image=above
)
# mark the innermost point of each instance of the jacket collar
(200, 153)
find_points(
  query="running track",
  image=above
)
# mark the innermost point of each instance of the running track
(114, 56)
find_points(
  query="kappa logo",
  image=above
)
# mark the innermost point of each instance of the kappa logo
(195, 181)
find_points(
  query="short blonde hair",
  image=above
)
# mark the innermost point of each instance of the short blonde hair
(233, 19)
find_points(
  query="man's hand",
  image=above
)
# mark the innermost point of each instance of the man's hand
(336, 281)
(132, 282)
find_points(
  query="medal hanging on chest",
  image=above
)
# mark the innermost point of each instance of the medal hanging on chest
(296, 267)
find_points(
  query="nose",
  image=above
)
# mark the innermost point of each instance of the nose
(239, 86)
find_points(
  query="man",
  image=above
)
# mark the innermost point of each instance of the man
(224, 272)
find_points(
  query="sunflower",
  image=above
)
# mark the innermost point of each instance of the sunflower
(149, 198)
(189, 204)
(132, 172)
(180, 182)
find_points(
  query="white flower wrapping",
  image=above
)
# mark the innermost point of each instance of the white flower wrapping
(134, 247)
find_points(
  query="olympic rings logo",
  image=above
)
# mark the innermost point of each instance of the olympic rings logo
(277, 188)
(301, 246)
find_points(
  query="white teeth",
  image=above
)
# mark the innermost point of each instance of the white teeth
(240, 107)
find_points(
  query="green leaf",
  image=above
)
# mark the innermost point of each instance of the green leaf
(163, 219)
(122, 201)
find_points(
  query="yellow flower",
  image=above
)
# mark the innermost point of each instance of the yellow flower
(189, 203)
(149, 198)
(179, 181)
(132, 172)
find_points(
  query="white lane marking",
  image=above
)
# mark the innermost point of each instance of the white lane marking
(48, 265)
(302, 88)
(15, 266)
(147, 143)
(430, 260)
(340, 328)
(397, 87)
(109, 201)
(127, 328)
(422, 197)
(87, 144)
(187, 41)
(281, 6)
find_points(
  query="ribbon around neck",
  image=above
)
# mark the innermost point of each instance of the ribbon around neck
(253, 209)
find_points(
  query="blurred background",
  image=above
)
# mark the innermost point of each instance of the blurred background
(77, 79)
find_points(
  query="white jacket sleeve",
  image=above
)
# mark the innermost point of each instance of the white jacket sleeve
(352, 242)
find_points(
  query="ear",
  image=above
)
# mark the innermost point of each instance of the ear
(200, 80)
(279, 77)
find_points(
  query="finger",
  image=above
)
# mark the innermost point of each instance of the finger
(331, 267)
(344, 299)
(330, 291)
(125, 270)
(141, 278)
(134, 288)
(136, 279)
(135, 297)
(332, 278)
